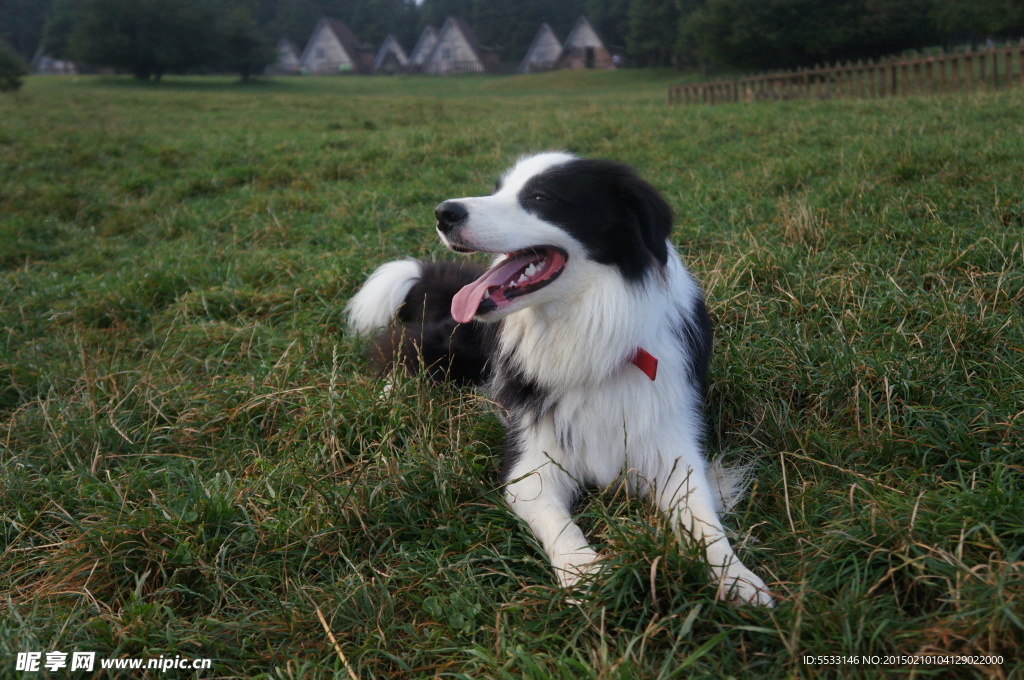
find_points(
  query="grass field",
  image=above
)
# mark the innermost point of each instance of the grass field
(195, 460)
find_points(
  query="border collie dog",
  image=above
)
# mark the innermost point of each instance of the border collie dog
(589, 334)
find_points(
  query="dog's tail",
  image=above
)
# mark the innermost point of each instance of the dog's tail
(377, 302)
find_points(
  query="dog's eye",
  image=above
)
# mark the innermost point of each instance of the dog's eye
(540, 197)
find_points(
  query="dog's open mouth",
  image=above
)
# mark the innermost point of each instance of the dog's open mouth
(519, 273)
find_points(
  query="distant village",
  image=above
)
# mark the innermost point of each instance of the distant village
(452, 49)
(334, 49)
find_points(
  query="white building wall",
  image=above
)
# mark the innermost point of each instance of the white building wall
(325, 54)
(424, 48)
(452, 54)
(544, 52)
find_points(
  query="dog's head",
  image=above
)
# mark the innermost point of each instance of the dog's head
(552, 217)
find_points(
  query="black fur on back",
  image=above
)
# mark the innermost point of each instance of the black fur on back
(424, 335)
(697, 334)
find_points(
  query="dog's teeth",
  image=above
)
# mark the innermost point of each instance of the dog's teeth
(487, 294)
(531, 270)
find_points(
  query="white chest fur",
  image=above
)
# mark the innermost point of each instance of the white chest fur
(606, 415)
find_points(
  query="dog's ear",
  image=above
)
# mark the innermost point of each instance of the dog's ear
(653, 217)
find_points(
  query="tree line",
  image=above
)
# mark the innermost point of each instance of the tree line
(151, 37)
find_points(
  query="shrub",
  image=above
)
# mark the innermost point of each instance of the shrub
(12, 68)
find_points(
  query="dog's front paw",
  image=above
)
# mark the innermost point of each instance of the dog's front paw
(742, 585)
(571, 568)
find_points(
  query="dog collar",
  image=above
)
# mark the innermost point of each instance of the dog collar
(646, 362)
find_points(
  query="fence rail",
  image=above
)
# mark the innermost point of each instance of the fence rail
(947, 72)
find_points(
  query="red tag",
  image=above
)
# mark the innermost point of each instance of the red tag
(645, 362)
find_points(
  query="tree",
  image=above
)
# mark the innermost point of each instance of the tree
(958, 20)
(12, 68)
(294, 20)
(434, 12)
(652, 32)
(610, 18)
(508, 25)
(21, 24)
(788, 33)
(242, 45)
(60, 23)
(146, 37)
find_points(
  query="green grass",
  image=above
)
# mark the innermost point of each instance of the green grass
(196, 461)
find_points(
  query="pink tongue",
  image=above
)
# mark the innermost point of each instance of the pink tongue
(467, 300)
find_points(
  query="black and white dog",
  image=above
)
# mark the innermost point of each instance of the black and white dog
(590, 335)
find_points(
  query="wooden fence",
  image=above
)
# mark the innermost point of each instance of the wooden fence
(948, 72)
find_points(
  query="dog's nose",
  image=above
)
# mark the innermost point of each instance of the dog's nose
(449, 214)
